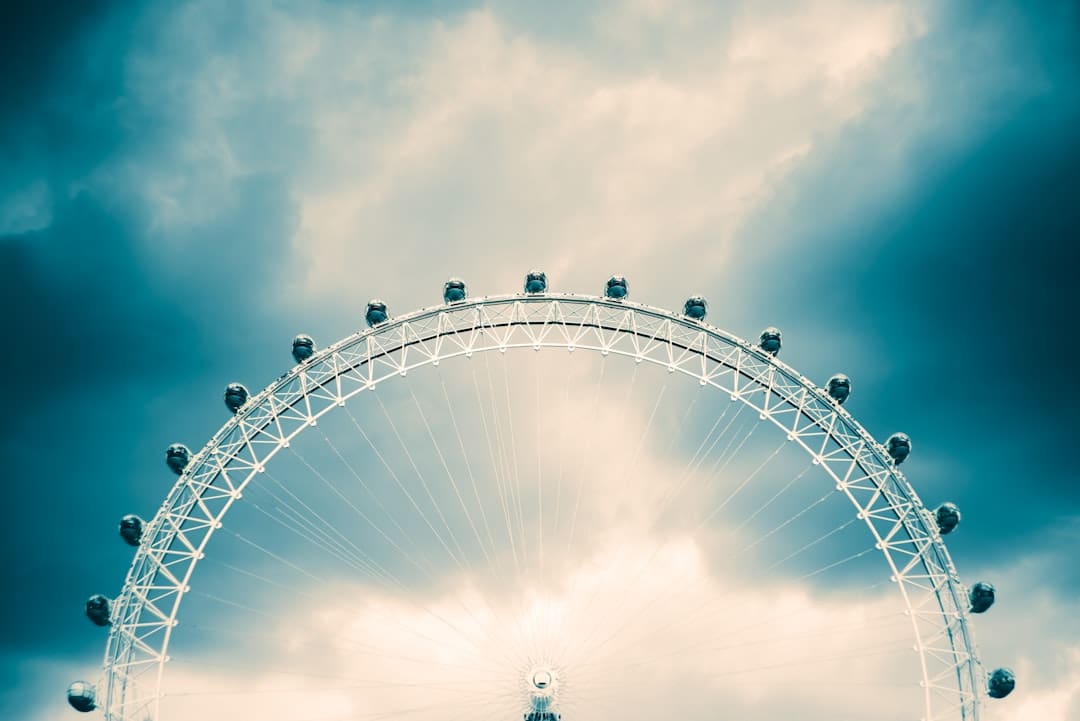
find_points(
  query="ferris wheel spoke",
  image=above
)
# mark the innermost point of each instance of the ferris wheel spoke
(392, 518)
(538, 404)
(645, 433)
(297, 592)
(784, 524)
(316, 532)
(290, 519)
(582, 475)
(698, 457)
(572, 646)
(401, 486)
(811, 544)
(753, 474)
(427, 490)
(834, 564)
(451, 414)
(666, 592)
(628, 461)
(417, 665)
(637, 575)
(491, 564)
(255, 576)
(706, 613)
(729, 453)
(336, 491)
(727, 435)
(327, 535)
(681, 424)
(613, 679)
(462, 633)
(514, 472)
(496, 566)
(474, 705)
(497, 465)
(272, 555)
(580, 485)
(357, 647)
(564, 414)
(361, 682)
(509, 488)
(581, 461)
(450, 476)
(467, 700)
(349, 716)
(808, 661)
(764, 506)
(538, 416)
(880, 621)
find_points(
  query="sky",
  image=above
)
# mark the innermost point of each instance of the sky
(186, 185)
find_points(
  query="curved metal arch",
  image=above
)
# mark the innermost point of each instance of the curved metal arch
(175, 541)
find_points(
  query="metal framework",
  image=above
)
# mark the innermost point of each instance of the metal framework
(176, 539)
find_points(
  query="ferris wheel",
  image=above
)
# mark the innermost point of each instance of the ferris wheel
(548, 506)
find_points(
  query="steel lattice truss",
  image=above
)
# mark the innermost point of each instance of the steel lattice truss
(177, 537)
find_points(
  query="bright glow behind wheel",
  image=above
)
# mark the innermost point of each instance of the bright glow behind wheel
(667, 522)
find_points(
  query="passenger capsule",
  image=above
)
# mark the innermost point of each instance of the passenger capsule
(98, 609)
(131, 529)
(770, 340)
(617, 287)
(536, 282)
(303, 347)
(177, 456)
(1001, 683)
(696, 307)
(981, 596)
(899, 447)
(376, 313)
(82, 696)
(947, 517)
(236, 395)
(839, 388)
(454, 291)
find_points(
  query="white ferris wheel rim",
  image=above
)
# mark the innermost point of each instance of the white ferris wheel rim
(175, 540)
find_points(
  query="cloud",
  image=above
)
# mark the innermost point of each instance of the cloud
(364, 654)
(1062, 702)
(587, 163)
(632, 611)
(180, 198)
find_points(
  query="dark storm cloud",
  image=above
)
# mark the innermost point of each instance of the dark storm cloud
(118, 320)
(953, 301)
(37, 41)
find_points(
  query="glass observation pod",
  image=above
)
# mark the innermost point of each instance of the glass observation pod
(376, 313)
(303, 347)
(696, 307)
(454, 291)
(536, 282)
(617, 287)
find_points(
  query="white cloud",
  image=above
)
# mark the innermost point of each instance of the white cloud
(459, 653)
(1057, 703)
(505, 141)
(418, 148)
(631, 614)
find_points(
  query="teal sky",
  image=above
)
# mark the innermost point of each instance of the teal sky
(185, 185)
